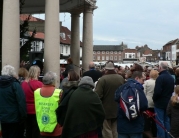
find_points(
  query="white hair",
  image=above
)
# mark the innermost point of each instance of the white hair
(8, 70)
(49, 78)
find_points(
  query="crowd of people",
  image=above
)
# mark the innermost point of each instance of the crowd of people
(90, 105)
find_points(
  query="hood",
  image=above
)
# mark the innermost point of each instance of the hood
(6, 81)
(71, 83)
(137, 83)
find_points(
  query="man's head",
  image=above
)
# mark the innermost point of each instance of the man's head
(91, 65)
(163, 66)
(138, 76)
(121, 69)
(50, 78)
(109, 65)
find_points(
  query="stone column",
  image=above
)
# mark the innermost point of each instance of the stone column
(75, 41)
(87, 48)
(52, 38)
(10, 34)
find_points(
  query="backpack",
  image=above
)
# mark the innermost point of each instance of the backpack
(129, 101)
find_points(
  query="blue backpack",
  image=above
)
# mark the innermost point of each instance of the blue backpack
(129, 101)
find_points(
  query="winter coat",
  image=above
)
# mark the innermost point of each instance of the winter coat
(164, 87)
(12, 100)
(124, 125)
(106, 88)
(173, 113)
(94, 74)
(149, 91)
(29, 94)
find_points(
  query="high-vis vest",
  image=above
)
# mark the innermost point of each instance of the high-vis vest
(45, 110)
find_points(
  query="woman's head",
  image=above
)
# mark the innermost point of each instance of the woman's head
(34, 72)
(128, 74)
(8, 70)
(50, 78)
(73, 76)
(86, 80)
(153, 74)
(174, 99)
(136, 67)
(23, 72)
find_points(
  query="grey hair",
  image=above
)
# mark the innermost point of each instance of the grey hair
(49, 78)
(8, 70)
(164, 65)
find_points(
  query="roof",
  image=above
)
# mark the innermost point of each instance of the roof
(172, 42)
(129, 50)
(23, 17)
(39, 35)
(108, 47)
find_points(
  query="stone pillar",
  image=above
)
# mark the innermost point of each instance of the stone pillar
(75, 41)
(52, 38)
(10, 34)
(87, 48)
(1, 11)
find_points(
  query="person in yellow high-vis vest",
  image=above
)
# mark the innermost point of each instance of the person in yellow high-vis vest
(47, 100)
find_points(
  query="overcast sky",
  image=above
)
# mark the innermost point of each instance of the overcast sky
(135, 23)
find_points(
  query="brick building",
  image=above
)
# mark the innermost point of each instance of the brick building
(168, 52)
(129, 55)
(108, 52)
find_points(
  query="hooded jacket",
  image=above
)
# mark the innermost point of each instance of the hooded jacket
(133, 126)
(12, 100)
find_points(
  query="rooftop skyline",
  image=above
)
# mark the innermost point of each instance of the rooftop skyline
(134, 23)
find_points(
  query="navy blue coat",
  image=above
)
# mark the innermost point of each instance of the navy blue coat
(12, 100)
(164, 87)
(136, 125)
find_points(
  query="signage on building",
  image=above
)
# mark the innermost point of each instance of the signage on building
(142, 59)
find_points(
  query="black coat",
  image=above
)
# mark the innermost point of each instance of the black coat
(94, 74)
(164, 87)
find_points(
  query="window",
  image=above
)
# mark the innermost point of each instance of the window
(107, 57)
(63, 36)
(94, 52)
(125, 55)
(98, 57)
(119, 57)
(111, 52)
(98, 52)
(130, 56)
(37, 46)
(103, 58)
(115, 57)
(111, 57)
(69, 36)
(103, 52)
(94, 57)
(61, 48)
(66, 49)
(115, 52)
(107, 52)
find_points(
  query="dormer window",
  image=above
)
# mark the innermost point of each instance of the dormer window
(63, 36)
